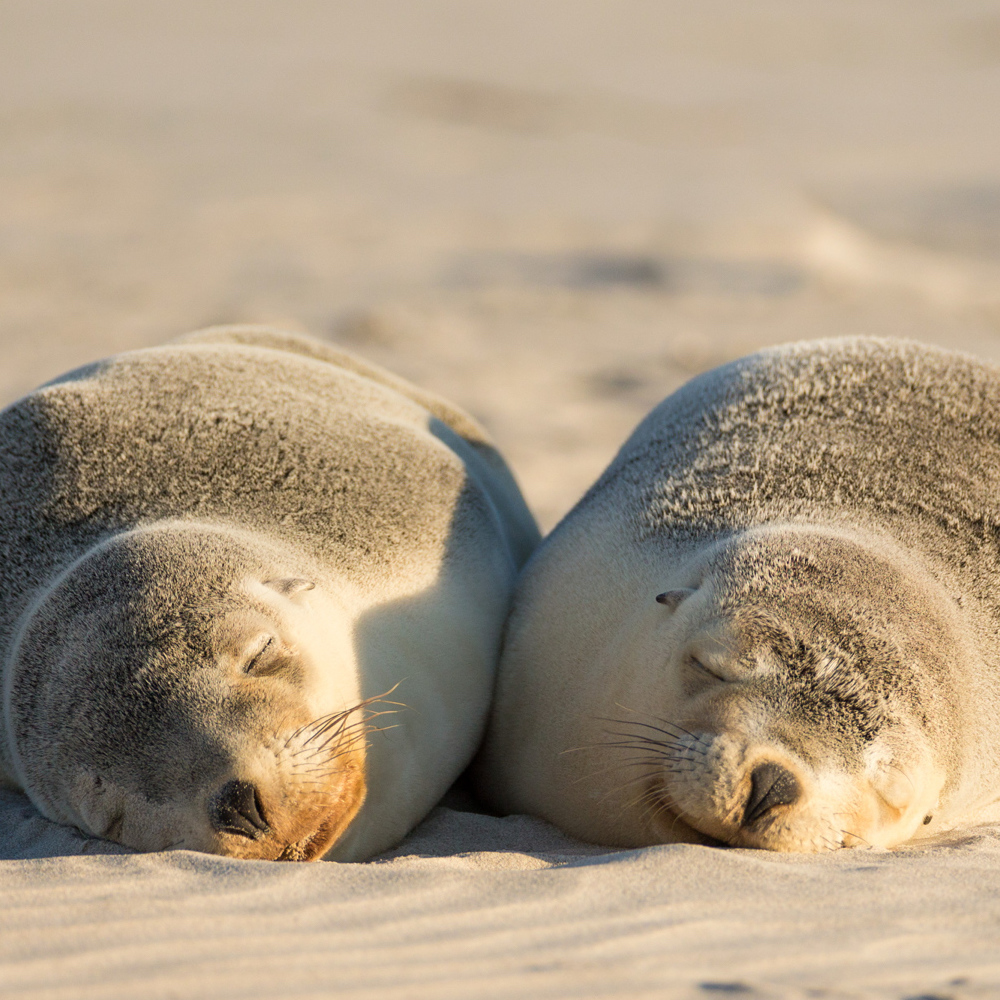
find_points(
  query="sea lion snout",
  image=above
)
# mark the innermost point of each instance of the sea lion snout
(743, 789)
(750, 776)
(302, 794)
(237, 809)
(771, 785)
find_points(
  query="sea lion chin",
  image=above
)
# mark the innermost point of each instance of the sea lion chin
(254, 592)
(771, 623)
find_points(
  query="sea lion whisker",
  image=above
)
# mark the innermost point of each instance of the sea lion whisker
(664, 765)
(659, 738)
(343, 726)
(336, 726)
(673, 750)
(628, 784)
(616, 766)
(325, 722)
(641, 739)
(659, 719)
(655, 804)
(671, 767)
(357, 738)
(668, 805)
(316, 767)
(649, 745)
(649, 802)
(641, 753)
(646, 776)
(663, 722)
(628, 744)
(338, 735)
(856, 836)
(350, 735)
(337, 722)
(681, 729)
(343, 751)
(651, 761)
(649, 725)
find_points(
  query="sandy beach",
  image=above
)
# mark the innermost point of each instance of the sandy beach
(554, 213)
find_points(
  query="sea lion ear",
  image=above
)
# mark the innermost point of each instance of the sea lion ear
(290, 585)
(672, 598)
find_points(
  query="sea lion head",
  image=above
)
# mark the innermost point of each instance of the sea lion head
(190, 686)
(803, 700)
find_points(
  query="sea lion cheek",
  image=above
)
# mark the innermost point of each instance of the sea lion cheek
(901, 789)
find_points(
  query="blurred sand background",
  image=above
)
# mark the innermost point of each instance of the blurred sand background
(553, 212)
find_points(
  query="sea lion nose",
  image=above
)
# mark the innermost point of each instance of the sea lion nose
(236, 808)
(770, 785)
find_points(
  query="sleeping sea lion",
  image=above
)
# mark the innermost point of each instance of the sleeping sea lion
(774, 621)
(226, 561)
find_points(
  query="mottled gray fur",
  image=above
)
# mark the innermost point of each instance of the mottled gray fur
(889, 436)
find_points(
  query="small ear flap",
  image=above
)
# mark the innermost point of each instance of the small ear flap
(290, 585)
(672, 598)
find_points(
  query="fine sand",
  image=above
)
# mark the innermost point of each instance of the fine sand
(554, 212)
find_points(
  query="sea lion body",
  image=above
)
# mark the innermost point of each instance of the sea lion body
(217, 556)
(774, 621)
